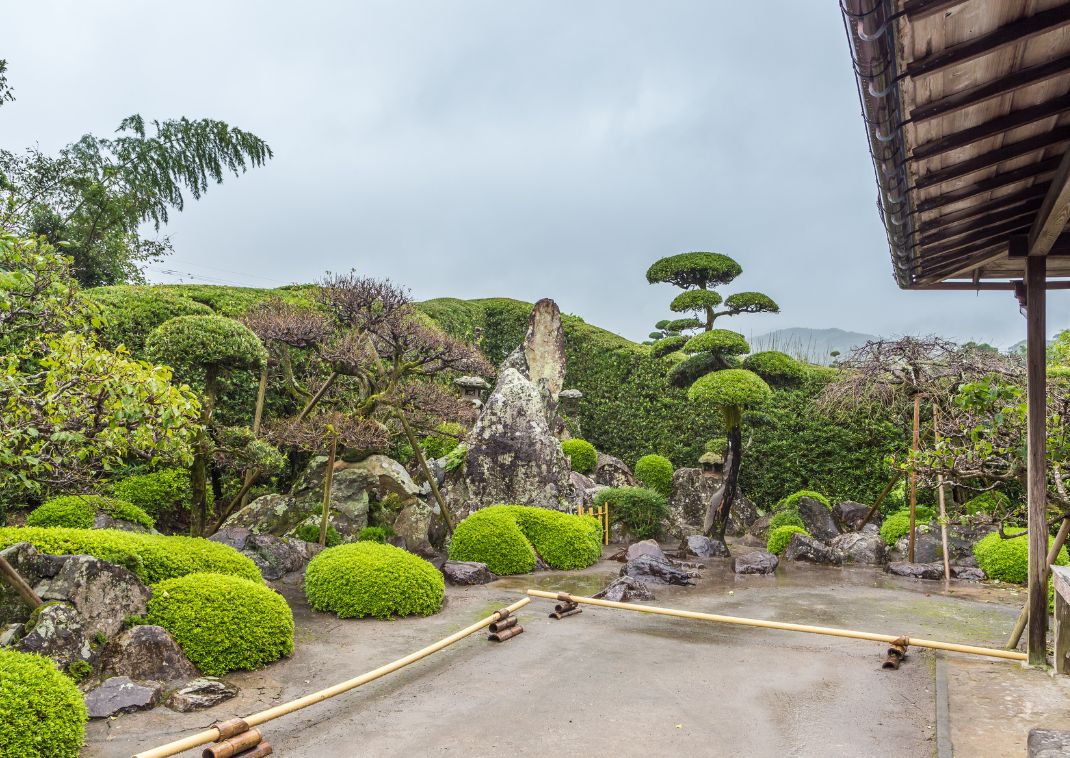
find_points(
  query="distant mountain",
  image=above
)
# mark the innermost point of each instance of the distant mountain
(812, 345)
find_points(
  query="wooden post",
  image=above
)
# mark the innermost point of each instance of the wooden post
(328, 480)
(1062, 619)
(1036, 354)
(1053, 553)
(940, 496)
(258, 416)
(14, 578)
(418, 451)
(914, 479)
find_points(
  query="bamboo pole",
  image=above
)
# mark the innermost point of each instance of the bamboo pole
(258, 416)
(914, 479)
(432, 481)
(328, 480)
(1012, 655)
(880, 498)
(940, 498)
(316, 398)
(14, 578)
(1053, 553)
(212, 734)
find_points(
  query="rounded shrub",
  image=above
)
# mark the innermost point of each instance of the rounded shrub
(310, 532)
(215, 341)
(1008, 559)
(992, 501)
(153, 557)
(694, 300)
(131, 313)
(730, 388)
(897, 525)
(786, 517)
(79, 511)
(371, 579)
(775, 367)
(694, 269)
(156, 492)
(375, 534)
(223, 623)
(42, 714)
(655, 472)
(722, 341)
(792, 500)
(781, 536)
(506, 537)
(581, 455)
(667, 345)
(639, 509)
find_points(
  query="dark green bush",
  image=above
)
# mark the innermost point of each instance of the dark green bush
(153, 557)
(370, 579)
(131, 313)
(505, 537)
(581, 455)
(639, 509)
(195, 341)
(455, 458)
(731, 388)
(224, 623)
(779, 369)
(721, 341)
(655, 472)
(792, 500)
(444, 441)
(781, 536)
(311, 533)
(78, 512)
(694, 300)
(42, 714)
(375, 534)
(157, 492)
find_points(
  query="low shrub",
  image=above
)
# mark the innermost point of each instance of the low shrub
(446, 438)
(787, 517)
(505, 537)
(153, 557)
(639, 509)
(156, 492)
(655, 472)
(378, 534)
(224, 623)
(992, 501)
(79, 511)
(1007, 560)
(311, 533)
(897, 525)
(792, 500)
(781, 536)
(582, 456)
(455, 458)
(370, 579)
(42, 714)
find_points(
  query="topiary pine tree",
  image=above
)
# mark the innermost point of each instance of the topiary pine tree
(711, 372)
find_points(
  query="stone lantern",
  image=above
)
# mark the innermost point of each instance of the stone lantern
(570, 401)
(712, 464)
(472, 388)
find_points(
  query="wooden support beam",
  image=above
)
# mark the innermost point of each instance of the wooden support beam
(939, 234)
(1038, 171)
(1008, 34)
(1037, 477)
(1010, 83)
(1033, 192)
(938, 253)
(1054, 211)
(992, 127)
(958, 170)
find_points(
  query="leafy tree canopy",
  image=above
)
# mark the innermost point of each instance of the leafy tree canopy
(689, 270)
(721, 341)
(694, 300)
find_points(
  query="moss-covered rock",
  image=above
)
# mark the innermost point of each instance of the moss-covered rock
(84, 512)
(42, 714)
(781, 536)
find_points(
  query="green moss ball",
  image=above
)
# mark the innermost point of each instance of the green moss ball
(372, 579)
(216, 341)
(781, 536)
(897, 525)
(42, 714)
(786, 517)
(1007, 560)
(581, 455)
(792, 500)
(224, 623)
(655, 472)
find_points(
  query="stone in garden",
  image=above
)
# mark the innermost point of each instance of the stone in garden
(657, 569)
(703, 547)
(544, 348)
(755, 562)
(147, 652)
(102, 520)
(625, 589)
(856, 547)
(965, 562)
(690, 497)
(1048, 743)
(388, 476)
(760, 529)
(204, 692)
(803, 548)
(467, 572)
(645, 547)
(610, 471)
(583, 488)
(413, 525)
(513, 454)
(917, 570)
(962, 537)
(743, 514)
(927, 547)
(121, 695)
(270, 514)
(57, 631)
(274, 556)
(817, 519)
(102, 593)
(848, 515)
(24, 558)
(968, 573)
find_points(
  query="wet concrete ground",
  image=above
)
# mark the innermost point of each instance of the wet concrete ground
(615, 683)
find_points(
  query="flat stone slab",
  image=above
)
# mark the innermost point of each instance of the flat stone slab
(467, 572)
(755, 562)
(204, 692)
(120, 694)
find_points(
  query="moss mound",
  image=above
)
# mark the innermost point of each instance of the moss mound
(897, 525)
(786, 517)
(639, 509)
(153, 557)
(372, 579)
(505, 537)
(79, 511)
(1008, 560)
(41, 710)
(156, 492)
(781, 536)
(224, 623)
(792, 500)
(655, 472)
(581, 455)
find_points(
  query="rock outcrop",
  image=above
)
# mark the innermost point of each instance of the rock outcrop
(810, 550)
(653, 568)
(817, 519)
(625, 589)
(274, 556)
(203, 692)
(857, 547)
(849, 515)
(702, 546)
(755, 562)
(690, 497)
(121, 695)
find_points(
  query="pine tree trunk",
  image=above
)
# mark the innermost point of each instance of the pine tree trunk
(199, 472)
(731, 478)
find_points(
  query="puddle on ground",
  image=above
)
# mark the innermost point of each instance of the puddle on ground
(575, 583)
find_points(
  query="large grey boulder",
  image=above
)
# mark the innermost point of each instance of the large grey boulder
(916, 570)
(203, 692)
(849, 515)
(147, 652)
(544, 348)
(413, 527)
(513, 454)
(743, 514)
(759, 530)
(817, 519)
(467, 573)
(803, 548)
(653, 568)
(755, 562)
(103, 594)
(56, 630)
(691, 494)
(702, 546)
(102, 520)
(927, 546)
(274, 556)
(388, 476)
(610, 471)
(625, 589)
(270, 514)
(121, 695)
(857, 547)
(1048, 743)
(644, 547)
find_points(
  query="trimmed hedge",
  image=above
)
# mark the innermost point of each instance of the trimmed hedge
(505, 537)
(372, 579)
(775, 367)
(730, 388)
(42, 714)
(1008, 560)
(223, 623)
(582, 456)
(639, 509)
(153, 557)
(311, 533)
(781, 536)
(156, 492)
(720, 341)
(655, 472)
(79, 512)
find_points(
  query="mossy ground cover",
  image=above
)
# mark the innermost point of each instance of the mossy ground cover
(79, 512)
(42, 714)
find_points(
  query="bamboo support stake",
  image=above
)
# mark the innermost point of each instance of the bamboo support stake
(914, 479)
(1012, 655)
(1053, 553)
(212, 734)
(328, 481)
(14, 578)
(432, 481)
(316, 398)
(880, 498)
(940, 498)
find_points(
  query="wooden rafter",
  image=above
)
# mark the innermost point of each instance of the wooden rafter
(995, 126)
(1025, 173)
(1023, 210)
(994, 157)
(1018, 196)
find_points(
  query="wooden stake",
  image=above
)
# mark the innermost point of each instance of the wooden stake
(328, 479)
(1053, 553)
(940, 497)
(914, 479)
(258, 415)
(880, 498)
(14, 578)
(1036, 427)
(418, 451)
(1011, 655)
(212, 734)
(317, 397)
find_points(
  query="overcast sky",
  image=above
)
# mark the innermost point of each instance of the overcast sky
(517, 149)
